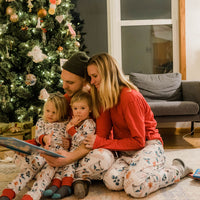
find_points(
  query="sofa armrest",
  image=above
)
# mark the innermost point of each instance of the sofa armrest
(191, 91)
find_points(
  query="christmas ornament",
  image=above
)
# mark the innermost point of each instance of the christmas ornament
(60, 48)
(72, 32)
(9, 10)
(14, 18)
(43, 94)
(38, 23)
(30, 79)
(62, 61)
(36, 54)
(77, 44)
(59, 18)
(52, 9)
(44, 35)
(52, 1)
(58, 2)
(30, 5)
(42, 13)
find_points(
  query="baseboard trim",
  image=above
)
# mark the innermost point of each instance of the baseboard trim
(178, 131)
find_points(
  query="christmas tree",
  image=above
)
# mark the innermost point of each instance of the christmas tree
(36, 37)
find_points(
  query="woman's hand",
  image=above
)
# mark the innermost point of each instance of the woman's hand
(89, 141)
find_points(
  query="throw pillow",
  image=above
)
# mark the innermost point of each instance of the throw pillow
(158, 86)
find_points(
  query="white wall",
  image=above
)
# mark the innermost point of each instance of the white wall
(192, 19)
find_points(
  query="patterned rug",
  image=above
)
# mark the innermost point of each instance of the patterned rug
(186, 189)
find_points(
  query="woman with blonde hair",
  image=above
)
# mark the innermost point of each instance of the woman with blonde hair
(140, 167)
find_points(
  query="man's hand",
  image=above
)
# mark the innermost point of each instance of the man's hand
(70, 157)
(58, 161)
(89, 141)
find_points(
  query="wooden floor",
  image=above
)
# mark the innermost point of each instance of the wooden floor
(174, 139)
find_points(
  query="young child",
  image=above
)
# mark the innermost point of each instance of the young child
(49, 132)
(78, 127)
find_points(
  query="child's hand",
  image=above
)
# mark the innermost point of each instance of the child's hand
(89, 141)
(47, 140)
(66, 143)
(73, 122)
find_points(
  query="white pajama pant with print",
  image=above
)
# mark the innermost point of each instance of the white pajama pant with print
(141, 172)
(32, 166)
(94, 165)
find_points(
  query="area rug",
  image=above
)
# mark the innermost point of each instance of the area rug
(186, 189)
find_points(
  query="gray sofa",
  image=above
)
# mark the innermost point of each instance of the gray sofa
(170, 98)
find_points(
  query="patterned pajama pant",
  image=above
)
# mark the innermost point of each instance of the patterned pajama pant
(91, 167)
(141, 172)
(94, 164)
(32, 166)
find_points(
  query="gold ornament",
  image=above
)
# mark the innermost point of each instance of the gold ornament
(58, 2)
(51, 11)
(60, 48)
(42, 13)
(14, 18)
(9, 10)
(77, 44)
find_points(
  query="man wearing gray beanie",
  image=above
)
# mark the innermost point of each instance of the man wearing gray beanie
(77, 64)
(73, 73)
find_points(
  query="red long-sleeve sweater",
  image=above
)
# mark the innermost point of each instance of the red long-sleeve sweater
(132, 121)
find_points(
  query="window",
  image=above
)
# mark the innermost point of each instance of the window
(143, 35)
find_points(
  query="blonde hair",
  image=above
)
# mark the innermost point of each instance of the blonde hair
(61, 105)
(81, 95)
(112, 80)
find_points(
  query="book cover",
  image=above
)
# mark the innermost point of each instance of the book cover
(24, 147)
(196, 174)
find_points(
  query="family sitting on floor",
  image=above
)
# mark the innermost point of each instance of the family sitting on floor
(105, 132)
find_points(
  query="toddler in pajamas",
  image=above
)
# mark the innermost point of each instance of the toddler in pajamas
(49, 133)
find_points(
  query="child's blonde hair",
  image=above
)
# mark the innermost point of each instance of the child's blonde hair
(60, 103)
(81, 95)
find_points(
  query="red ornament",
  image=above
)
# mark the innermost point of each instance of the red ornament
(44, 30)
(53, 1)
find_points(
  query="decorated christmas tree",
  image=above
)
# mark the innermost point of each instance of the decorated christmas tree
(36, 37)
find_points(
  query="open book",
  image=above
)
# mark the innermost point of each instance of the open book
(24, 147)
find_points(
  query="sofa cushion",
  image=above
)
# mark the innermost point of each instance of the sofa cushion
(158, 86)
(166, 108)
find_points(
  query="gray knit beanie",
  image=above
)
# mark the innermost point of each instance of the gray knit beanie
(77, 64)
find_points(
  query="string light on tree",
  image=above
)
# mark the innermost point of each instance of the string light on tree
(34, 40)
